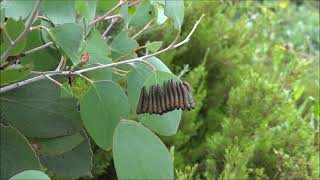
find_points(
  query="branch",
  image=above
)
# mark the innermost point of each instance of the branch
(37, 48)
(5, 54)
(139, 59)
(190, 34)
(106, 14)
(143, 29)
(113, 21)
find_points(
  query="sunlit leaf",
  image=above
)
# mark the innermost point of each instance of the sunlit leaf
(101, 110)
(175, 11)
(68, 37)
(133, 160)
(30, 174)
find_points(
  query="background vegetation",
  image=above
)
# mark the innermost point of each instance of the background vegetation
(254, 66)
(254, 69)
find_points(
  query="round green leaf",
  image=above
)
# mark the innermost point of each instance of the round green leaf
(30, 174)
(139, 154)
(98, 49)
(58, 145)
(68, 38)
(72, 164)
(122, 45)
(16, 153)
(59, 12)
(101, 109)
(175, 11)
(42, 113)
(166, 124)
(144, 13)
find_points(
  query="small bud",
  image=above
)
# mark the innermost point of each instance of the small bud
(85, 58)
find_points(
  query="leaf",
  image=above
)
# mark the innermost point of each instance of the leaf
(158, 64)
(153, 46)
(18, 9)
(122, 45)
(58, 145)
(104, 6)
(44, 60)
(14, 29)
(68, 37)
(59, 12)
(161, 18)
(140, 154)
(101, 109)
(30, 174)
(42, 113)
(175, 11)
(139, 75)
(72, 164)
(82, 7)
(13, 74)
(166, 124)
(16, 153)
(144, 13)
(97, 48)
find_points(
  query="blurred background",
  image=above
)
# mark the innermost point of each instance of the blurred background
(254, 68)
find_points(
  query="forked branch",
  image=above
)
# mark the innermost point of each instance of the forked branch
(141, 59)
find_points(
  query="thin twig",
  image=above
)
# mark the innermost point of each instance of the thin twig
(106, 14)
(110, 17)
(53, 80)
(39, 27)
(130, 61)
(113, 21)
(85, 78)
(8, 36)
(5, 54)
(190, 34)
(143, 29)
(43, 18)
(61, 63)
(37, 48)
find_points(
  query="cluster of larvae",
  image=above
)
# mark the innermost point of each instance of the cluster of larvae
(172, 95)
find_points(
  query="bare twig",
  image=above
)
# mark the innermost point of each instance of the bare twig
(61, 63)
(143, 29)
(111, 17)
(85, 78)
(37, 48)
(43, 18)
(8, 36)
(39, 27)
(184, 70)
(106, 14)
(190, 34)
(113, 21)
(5, 54)
(53, 80)
(130, 61)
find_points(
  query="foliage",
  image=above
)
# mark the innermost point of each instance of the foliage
(67, 72)
(259, 119)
